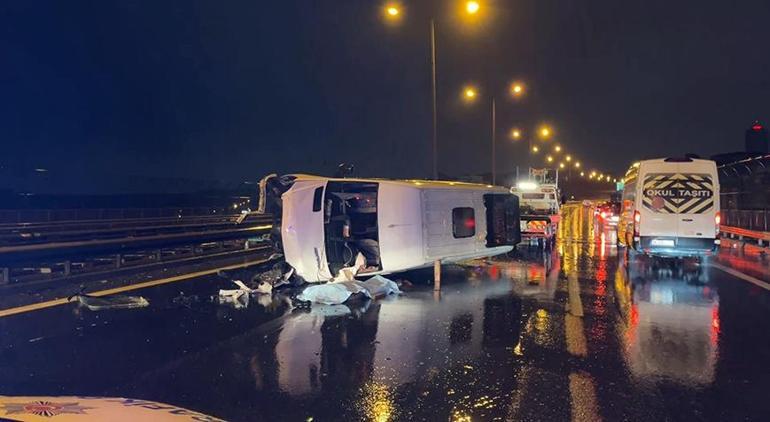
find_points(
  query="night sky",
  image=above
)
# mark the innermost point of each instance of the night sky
(101, 92)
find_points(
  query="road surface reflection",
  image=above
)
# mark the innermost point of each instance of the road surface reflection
(535, 335)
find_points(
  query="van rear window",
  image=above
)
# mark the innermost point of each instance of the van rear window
(463, 222)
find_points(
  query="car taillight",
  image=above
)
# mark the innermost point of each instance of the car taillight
(637, 222)
(718, 221)
(603, 214)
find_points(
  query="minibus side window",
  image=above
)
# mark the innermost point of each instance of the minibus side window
(463, 222)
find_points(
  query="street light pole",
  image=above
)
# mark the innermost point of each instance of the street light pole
(494, 144)
(433, 92)
(529, 155)
(392, 12)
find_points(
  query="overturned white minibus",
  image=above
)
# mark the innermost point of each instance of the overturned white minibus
(396, 225)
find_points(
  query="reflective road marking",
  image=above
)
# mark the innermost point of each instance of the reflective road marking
(745, 277)
(573, 320)
(582, 390)
(575, 303)
(583, 402)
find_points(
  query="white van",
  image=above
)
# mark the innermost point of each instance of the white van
(395, 224)
(671, 207)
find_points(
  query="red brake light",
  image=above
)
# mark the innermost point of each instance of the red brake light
(637, 222)
(717, 222)
(756, 128)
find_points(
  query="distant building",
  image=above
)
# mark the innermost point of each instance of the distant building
(756, 139)
(756, 144)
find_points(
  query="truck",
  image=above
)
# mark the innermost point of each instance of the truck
(539, 201)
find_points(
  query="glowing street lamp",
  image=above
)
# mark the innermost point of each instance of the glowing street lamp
(582, 174)
(517, 89)
(549, 159)
(568, 158)
(545, 132)
(561, 165)
(557, 148)
(535, 149)
(392, 13)
(515, 134)
(469, 93)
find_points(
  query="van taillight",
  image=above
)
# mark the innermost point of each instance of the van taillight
(718, 221)
(637, 222)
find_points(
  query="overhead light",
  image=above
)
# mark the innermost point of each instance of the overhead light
(526, 185)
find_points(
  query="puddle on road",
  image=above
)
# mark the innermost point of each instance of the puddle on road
(670, 322)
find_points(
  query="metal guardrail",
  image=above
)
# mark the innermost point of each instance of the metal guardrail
(124, 239)
(762, 237)
(81, 214)
(95, 253)
(141, 259)
(53, 232)
(110, 223)
(754, 220)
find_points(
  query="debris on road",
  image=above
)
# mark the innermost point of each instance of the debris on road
(264, 288)
(349, 273)
(94, 303)
(281, 274)
(240, 291)
(238, 298)
(185, 300)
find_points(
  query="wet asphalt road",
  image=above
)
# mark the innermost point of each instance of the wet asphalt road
(576, 333)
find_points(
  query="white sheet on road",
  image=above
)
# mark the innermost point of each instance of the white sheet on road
(337, 293)
(378, 286)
